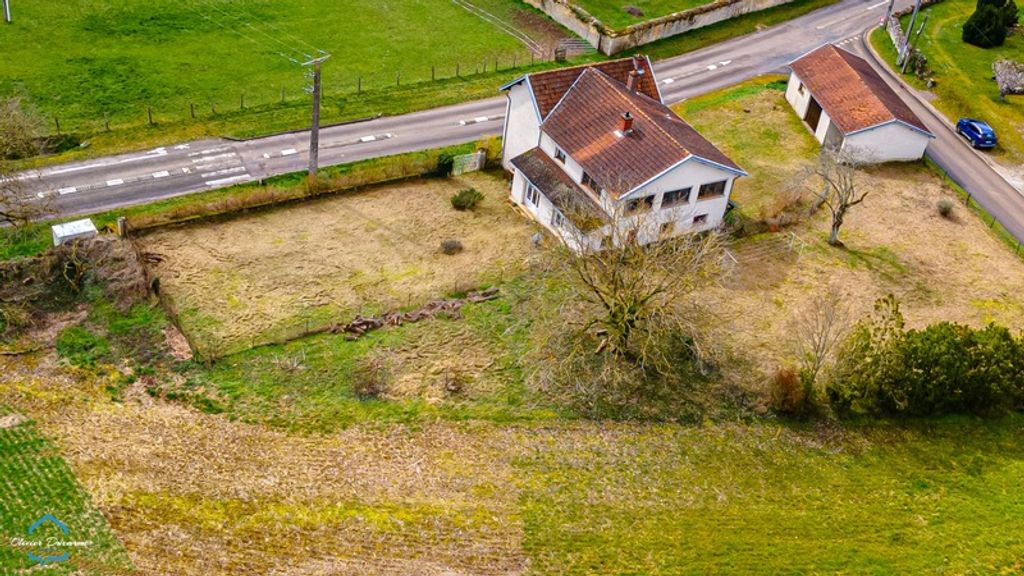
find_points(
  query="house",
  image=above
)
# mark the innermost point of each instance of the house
(592, 146)
(850, 108)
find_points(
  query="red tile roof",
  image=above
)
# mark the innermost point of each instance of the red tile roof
(850, 91)
(572, 201)
(584, 125)
(549, 87)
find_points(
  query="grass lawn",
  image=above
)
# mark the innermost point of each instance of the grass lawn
(613, 12)
(265, 276)
(35, 480)
(963, 74)
(82, 60)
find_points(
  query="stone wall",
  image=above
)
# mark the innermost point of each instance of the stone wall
(609, 41)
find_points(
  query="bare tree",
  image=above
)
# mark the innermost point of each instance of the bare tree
(635, 288)
(840, 187)
(19, 138)
(817, 331)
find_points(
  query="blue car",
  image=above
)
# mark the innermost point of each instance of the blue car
(978, 133)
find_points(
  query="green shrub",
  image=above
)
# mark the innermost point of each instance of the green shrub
(944, 368)
(945, 207)
(466, 199)
(986, 28)
(81, 347)
(445, 164)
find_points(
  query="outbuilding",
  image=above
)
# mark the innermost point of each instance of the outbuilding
(71, 231)
(850, 108)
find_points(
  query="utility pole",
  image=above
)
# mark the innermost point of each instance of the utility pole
(904, 53)
(314, 132)
(7, 11)
(888, 14)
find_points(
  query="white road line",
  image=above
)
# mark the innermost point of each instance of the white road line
(234, 170)
(68, 190)
(668, 80)
(115, 182)
(725, 62)
(873, 6)
(479, 119)
(161, 174)
(212, 158)
(712, 67)
(265, 155)
(182, 147)
(186, 171)
(289, 152)
(367, 138)
(215, 165)
(147, 156)
(231, 180)
(210, 151)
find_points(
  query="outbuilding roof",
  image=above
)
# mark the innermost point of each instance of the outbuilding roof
(851, 91)
(588, 125)
(549, 87)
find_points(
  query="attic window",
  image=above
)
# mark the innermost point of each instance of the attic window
(560, 155)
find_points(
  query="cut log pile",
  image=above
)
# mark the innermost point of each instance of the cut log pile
(361, 325)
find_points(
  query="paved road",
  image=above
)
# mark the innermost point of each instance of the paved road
(112, 182)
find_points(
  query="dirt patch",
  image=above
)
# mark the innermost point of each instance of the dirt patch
(177, 345)
(271, 275)
(896, 242)
(11, 420)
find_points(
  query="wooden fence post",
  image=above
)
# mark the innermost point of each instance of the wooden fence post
(149, 114)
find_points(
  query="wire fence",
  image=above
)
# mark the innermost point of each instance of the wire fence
(224, 106)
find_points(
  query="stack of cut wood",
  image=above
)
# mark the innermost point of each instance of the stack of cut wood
(361, 325)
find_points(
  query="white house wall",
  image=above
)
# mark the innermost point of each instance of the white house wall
(571, 167)
(690, 174)
(887, 143)
(544, 211)
(797, 100)
(522, 126)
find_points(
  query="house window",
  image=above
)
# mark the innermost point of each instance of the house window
(589, 182)
(712, 190)
(532, 195)
(557, 219)
(800, 88)
(560, 155)
(675, 197)
(700, 219)
(639, 204)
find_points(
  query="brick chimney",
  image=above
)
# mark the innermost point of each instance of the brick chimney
(627, 123)
(633, 80)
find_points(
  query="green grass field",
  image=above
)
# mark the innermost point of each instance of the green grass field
(614, 15)
(964, 74)
(84, 60)
(35, 480)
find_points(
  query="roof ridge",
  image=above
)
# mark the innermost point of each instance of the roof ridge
(607, 80)
(585, 66)
(860, 78)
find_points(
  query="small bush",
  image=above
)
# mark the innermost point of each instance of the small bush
(945, 207)
(80, 347)
(451, 247)
(370, 378)
(634, 11)
(445, 164)
(466, 199)
(787, 392)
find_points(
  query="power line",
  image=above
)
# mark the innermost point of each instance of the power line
(290, 51)
(280, 30)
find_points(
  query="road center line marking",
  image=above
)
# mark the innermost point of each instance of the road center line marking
(873, 6)
(161, 174)
(115, 182)
(289, 152)
(68, 190)
(712, 67)
(367, 138)
(233, 170)
(212, 158)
